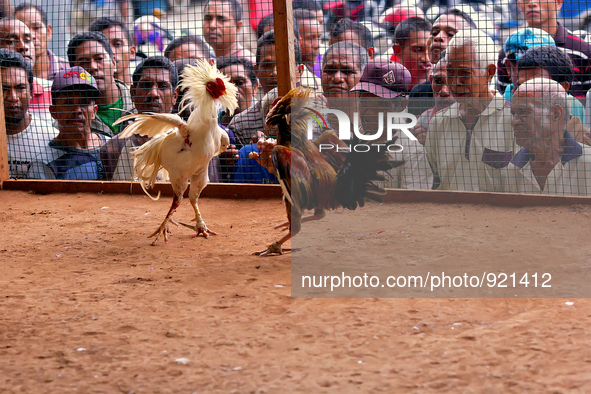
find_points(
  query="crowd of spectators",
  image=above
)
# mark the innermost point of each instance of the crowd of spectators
(510, 116)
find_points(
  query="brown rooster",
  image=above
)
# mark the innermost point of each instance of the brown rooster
(317, 181)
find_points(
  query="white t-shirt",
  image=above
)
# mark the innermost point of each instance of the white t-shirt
(26, 145)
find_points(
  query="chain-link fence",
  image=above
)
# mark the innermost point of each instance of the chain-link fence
(492, 95)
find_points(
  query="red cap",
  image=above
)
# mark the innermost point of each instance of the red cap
(395, 15)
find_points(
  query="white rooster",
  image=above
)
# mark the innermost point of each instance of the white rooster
(184, 149)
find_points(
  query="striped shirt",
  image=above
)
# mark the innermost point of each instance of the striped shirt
(579, 52)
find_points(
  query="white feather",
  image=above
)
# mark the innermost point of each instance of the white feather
(151, 125)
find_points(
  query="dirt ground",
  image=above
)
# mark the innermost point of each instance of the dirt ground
(87, 305)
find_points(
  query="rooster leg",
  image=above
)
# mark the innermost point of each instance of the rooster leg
(295, 227)
(318, 214)
(163, 230)
(275, 247)
(198, 182)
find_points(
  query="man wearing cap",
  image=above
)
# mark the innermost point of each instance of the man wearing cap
(26, 133)
(467, 141)
(544, 15)
(383, 88)
(515, 47)
(74, 153)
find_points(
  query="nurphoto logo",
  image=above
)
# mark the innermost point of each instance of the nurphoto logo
(394, 121)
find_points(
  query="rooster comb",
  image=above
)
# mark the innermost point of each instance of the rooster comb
(204, 83)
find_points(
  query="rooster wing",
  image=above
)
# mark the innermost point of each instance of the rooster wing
(152, 124)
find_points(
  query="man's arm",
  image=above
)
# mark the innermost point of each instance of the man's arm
(110, 153)
(417, 171)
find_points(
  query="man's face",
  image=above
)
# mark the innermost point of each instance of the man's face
(464, 76)
(528, 119)
(441, 92)
(266, 70)
(121, 47)
(539, 12)
(187, 51)
(154, 92)
(530, 73)
(340, 74)
(219, 26)
(74, 111)
(246, 90)
(17, 94)
(413, 55)
(41, 32)
(310, 33)
(443, 30)
(92, 56)
(370, 108)
(16, 36)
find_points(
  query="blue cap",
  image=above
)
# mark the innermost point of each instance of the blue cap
(523, 39)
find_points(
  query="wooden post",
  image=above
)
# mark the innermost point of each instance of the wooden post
(284, 41)
(4, 174)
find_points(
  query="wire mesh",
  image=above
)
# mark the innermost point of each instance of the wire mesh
(498, 88)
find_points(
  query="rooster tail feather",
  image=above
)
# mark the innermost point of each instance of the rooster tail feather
(206, 88)
(147, 163)
(356, 176)
(143, 184)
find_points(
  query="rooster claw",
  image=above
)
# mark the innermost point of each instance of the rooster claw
(200, 230)
(163, 230)
(274, 248)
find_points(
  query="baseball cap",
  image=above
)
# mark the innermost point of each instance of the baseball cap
(384, 79)
(74, 78)
(395, 15)
(523, 39)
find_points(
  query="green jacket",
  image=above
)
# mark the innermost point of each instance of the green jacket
(98, 126)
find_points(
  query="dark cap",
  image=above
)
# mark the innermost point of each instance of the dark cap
(384, 79)
(74, 78)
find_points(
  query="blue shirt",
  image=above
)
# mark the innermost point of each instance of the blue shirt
(66, 163)
(249, 170)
